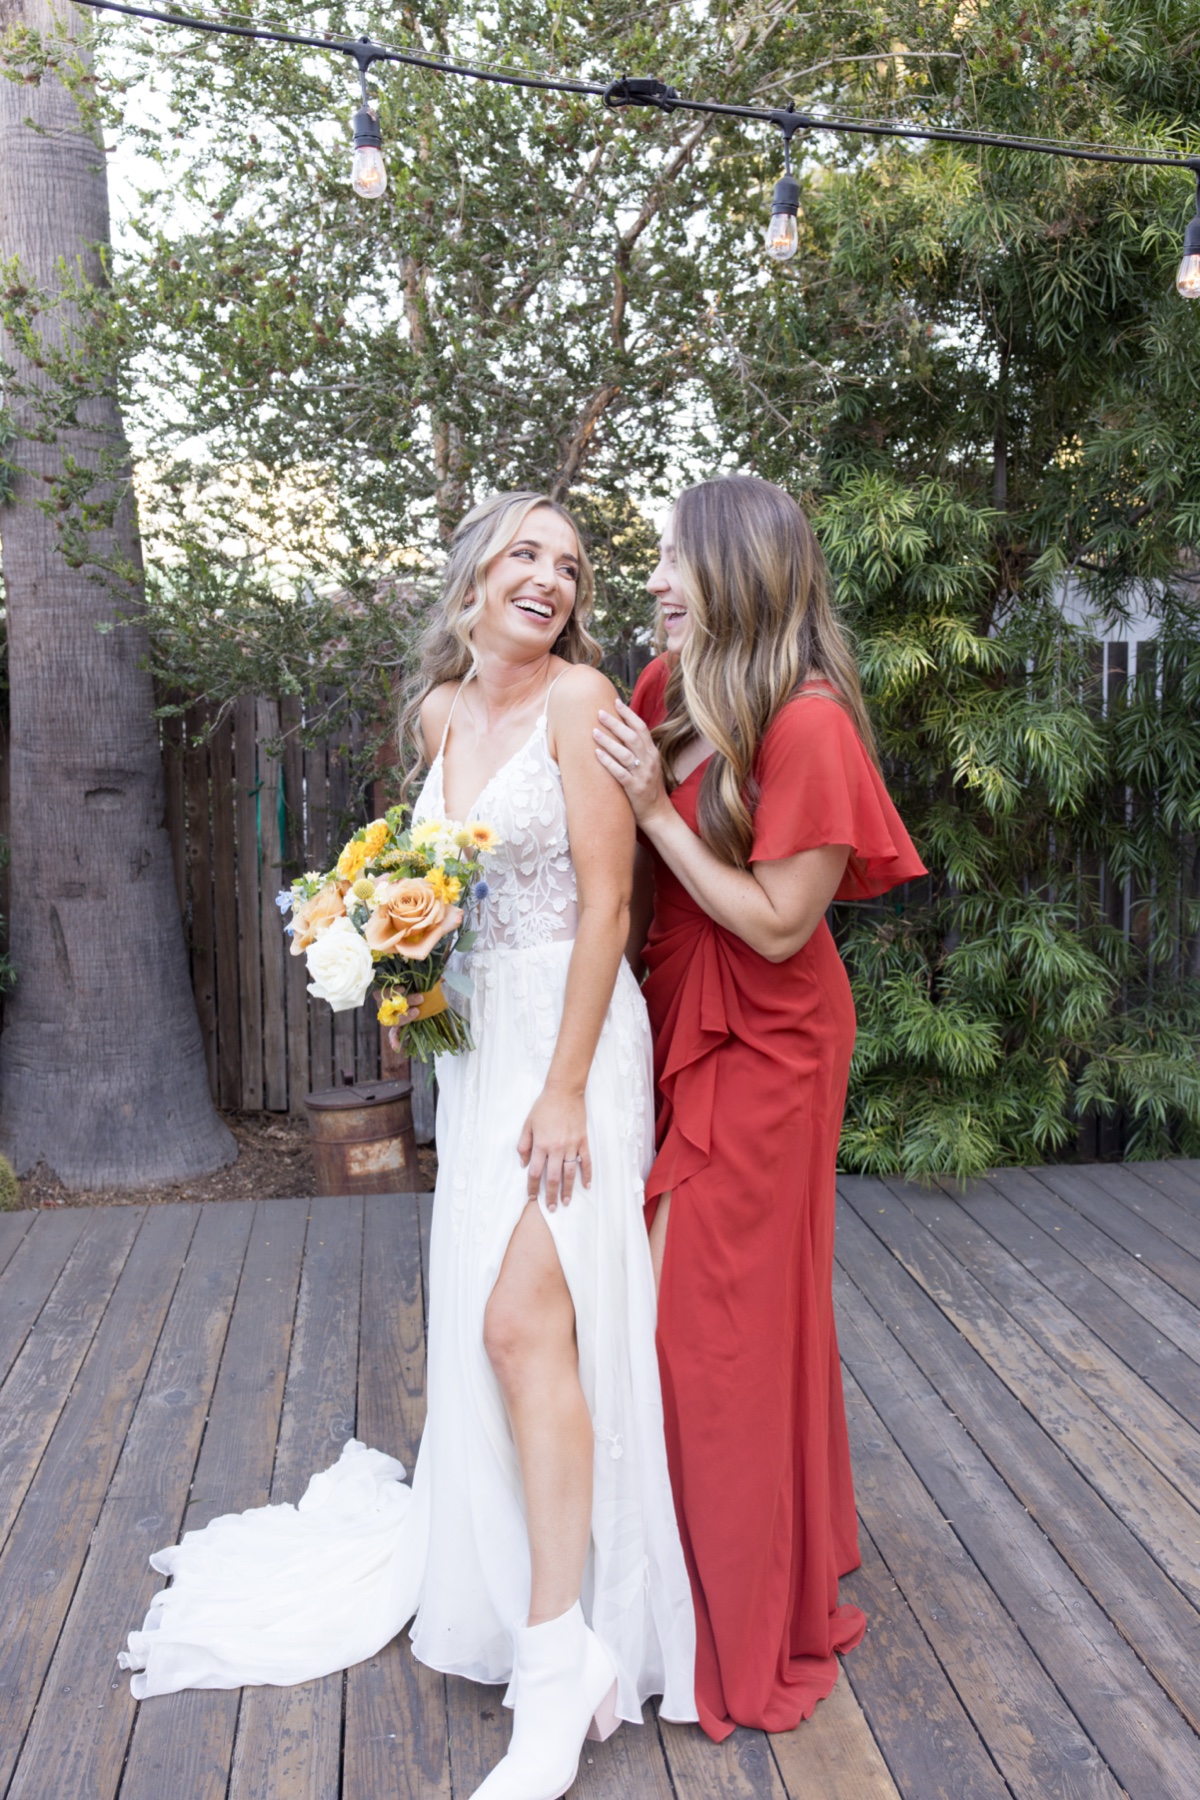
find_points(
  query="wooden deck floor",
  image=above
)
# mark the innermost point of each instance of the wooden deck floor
(1023, 1379)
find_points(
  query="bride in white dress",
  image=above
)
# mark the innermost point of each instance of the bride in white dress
(537, 1545)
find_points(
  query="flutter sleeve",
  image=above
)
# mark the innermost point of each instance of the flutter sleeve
(648, 697)
(817, 786)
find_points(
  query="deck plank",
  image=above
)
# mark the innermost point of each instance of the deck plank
(742, 1768)
(933, 1751)
(834, 1754)
(1175, 1178)
(77, 1742)
(52, 1532)
(182, 1744)
(479, 1731)
(41, 1376)
(1119, 1386)
(1163, 1204)
(1053, 1554)
(1144, 1241)
(632, 1762)
(13, 1226)
(1151, 1327)
(1014, 1704)
(35, 1262)
(288, 1744)
(1084, 1399)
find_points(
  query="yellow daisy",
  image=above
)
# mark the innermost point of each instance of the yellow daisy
(482, 836)
(376, 838)
(446, 887)
(350, 862)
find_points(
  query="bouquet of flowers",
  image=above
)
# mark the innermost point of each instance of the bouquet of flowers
(389, 916)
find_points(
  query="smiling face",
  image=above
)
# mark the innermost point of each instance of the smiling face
(530, 588)
(665, 585)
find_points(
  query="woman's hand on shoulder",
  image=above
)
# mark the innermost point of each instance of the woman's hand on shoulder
(626, 749)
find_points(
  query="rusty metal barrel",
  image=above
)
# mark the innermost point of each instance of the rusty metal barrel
(362, 1138)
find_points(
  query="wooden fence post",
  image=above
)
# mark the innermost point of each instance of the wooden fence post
(245, 753)
(294, 864)
(225, 908)
(202, 934)
(270, 879)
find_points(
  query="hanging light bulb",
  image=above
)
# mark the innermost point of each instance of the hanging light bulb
(1187, 282)
(368, 171)
(783, 232)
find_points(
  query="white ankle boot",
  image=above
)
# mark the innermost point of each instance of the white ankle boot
(564, 1689)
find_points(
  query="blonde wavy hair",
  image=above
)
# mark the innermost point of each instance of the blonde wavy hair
(761, 623)
(445, 652)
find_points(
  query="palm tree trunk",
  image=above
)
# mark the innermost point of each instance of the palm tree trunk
(102, 1072)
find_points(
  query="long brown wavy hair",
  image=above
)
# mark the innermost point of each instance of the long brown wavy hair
(445, 652)
(761, 623)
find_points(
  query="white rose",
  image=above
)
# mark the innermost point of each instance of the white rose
(341, 965)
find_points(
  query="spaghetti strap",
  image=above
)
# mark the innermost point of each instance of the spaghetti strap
(446, 728)
(549, 691)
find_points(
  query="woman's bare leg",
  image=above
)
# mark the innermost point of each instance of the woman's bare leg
(529, 1334)
(658, 1238)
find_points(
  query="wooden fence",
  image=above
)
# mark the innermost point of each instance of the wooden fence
(248, 808)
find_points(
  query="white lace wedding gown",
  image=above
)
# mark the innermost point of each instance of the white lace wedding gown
(285, 1594)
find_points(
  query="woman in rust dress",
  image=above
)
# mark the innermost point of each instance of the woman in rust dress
(759, 801)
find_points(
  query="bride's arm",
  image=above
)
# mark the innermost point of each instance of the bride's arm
(601, 829)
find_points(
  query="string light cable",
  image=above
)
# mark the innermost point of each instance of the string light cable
(369, 172)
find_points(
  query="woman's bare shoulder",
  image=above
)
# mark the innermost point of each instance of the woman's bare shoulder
(581, 684)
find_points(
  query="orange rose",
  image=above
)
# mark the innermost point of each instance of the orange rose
(312, 916)
(409, 919)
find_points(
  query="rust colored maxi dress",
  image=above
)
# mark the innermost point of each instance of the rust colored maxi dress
(751, 1059)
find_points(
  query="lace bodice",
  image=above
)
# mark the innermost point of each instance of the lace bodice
(532, 896)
